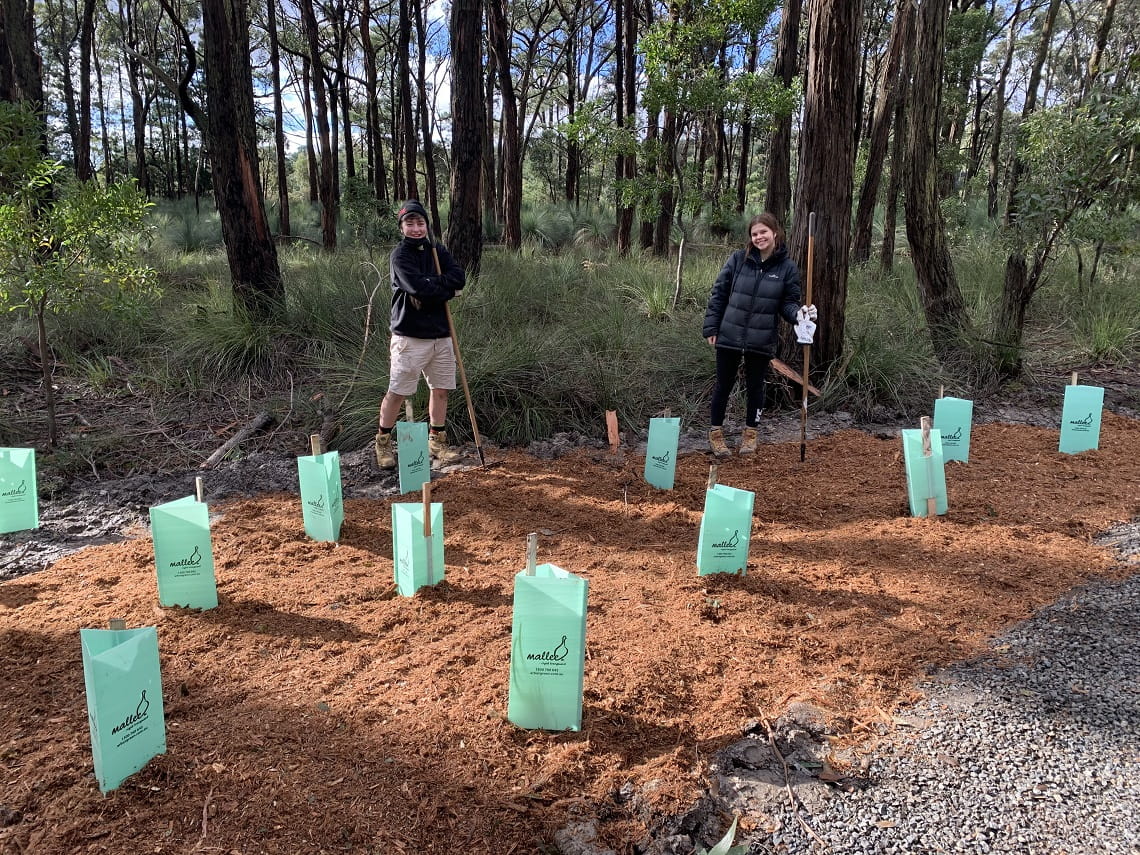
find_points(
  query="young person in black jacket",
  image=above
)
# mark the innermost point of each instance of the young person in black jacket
(757, 285)
(421, 335)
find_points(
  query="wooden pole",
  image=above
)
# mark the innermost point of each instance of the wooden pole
(712, 477)
(612, 431)
(199, 490)
(427, 533)
(532, 553)
(807, 347)
(315, 444)
(928, 457)
(459, 362)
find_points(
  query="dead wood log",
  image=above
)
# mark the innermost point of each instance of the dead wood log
(260, 422)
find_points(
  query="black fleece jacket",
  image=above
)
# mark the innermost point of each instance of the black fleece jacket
(748, 296)
(419, 294)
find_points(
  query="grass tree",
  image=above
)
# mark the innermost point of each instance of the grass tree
(62, 241)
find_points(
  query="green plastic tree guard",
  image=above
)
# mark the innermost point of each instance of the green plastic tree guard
(1080, 419)
(661, 452)
(548, 650)
(412, 454)
(726, 530)
(925, 475)
(322, 502)
(414, 565)
(124, 701)
(184, 554)
(953, 417)
(19, 502)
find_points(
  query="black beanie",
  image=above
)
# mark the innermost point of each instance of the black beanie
(412, 206)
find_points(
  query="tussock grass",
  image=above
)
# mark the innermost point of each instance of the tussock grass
(554, 335)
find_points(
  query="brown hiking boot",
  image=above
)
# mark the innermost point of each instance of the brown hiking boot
(439, 449)
(385, 459)
(748, 440)
(716, 442)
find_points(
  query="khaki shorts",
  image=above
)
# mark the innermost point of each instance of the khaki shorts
(433, 358)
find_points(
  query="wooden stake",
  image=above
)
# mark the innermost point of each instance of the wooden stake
(1074, 378)
(928, 456)
(532, 553)
(712, 477)
(117, 623)
(315, 444)
(428, 545)
(408, 415)
(807, 347)
(941, 391)
(612, 430)
(199, 491)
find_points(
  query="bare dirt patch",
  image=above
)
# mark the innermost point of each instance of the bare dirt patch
(315, 711)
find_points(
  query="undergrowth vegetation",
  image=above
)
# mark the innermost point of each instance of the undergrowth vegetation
(553, 335)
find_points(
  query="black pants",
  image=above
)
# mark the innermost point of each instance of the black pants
(755, 372)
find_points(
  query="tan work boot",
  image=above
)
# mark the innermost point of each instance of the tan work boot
(385, 459)
(716, 442)
(748, 440)
(439, 449)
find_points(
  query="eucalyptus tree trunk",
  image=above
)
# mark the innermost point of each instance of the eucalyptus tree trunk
(326, 185)
(894, 180)
(407, 122)
(465, 224)
(83, 168)
(825, 175)
(625, 166)
(880, 133)
(511, 158)
(432, 200)
(942, 300)
(375, 140)
(994, 170)
(283, 224)
(779, 198)
(1021, 280)
(745, 163)
(232, 143)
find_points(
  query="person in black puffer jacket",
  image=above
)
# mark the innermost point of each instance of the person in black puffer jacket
(421, 334)
(757, 285)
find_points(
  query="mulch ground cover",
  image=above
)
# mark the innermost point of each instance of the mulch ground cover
(315, 711)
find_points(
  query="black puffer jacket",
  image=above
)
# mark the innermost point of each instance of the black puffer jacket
(419, 294)
(748, 296)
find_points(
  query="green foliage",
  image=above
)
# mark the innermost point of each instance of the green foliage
(724, 845)
(372, 221)
(1077, 157)
(62, 240)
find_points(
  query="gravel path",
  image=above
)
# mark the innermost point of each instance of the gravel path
(1031, 749)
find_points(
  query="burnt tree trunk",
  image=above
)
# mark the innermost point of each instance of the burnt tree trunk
(465, 224)
(232, 143)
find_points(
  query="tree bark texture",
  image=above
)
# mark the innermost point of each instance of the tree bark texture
(925, 227)
(326, 183)
(779, 197)
(825, 180)
(880, 133)
(465, 224)
(511, 154)
(250, 250)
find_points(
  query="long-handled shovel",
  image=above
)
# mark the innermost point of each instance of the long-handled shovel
(459, 361)
(807, 347)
